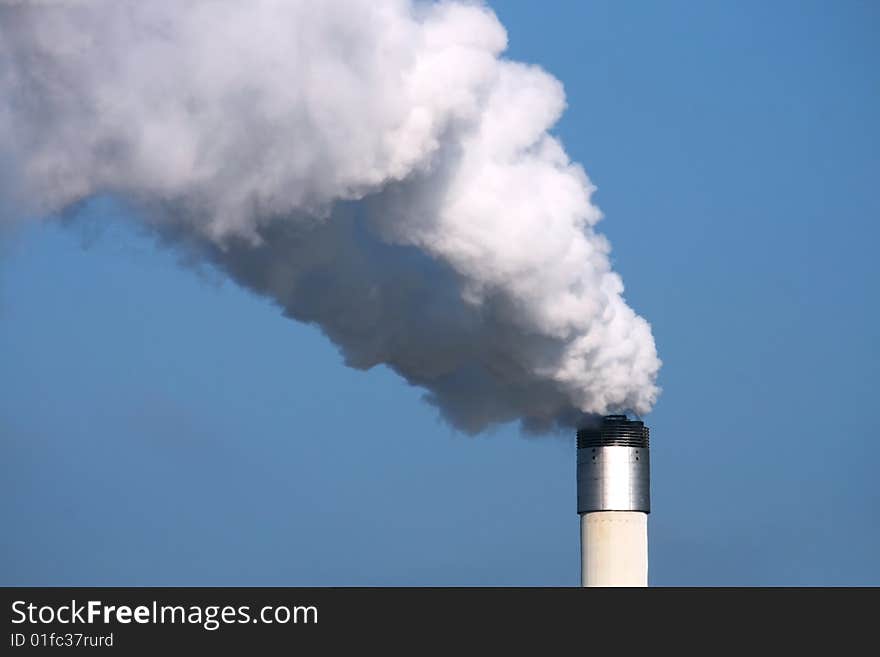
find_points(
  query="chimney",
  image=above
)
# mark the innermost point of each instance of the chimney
(614, 499)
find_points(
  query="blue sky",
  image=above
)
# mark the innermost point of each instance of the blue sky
(160, 426)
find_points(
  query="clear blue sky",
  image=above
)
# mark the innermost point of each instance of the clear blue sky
(159, 426)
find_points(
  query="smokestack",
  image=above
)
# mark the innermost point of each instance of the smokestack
(614, 499)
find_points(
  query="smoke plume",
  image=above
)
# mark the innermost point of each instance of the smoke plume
(375, 167)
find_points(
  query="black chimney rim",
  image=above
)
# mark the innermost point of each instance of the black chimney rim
(614, 430)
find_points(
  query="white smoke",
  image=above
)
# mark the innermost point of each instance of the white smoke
(375, 167)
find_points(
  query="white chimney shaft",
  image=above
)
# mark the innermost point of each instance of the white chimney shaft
(613, 484)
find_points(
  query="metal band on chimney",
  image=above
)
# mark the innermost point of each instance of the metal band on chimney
(614, 466)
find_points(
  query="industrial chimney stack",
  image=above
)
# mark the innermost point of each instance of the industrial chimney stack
(614, 499)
